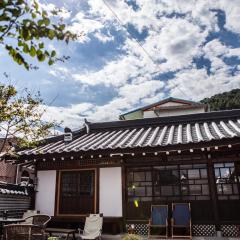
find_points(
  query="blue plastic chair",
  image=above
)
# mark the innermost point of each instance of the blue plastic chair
(181, 218)
(159, 219)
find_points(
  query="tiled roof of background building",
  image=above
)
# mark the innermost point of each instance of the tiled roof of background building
(12, 189)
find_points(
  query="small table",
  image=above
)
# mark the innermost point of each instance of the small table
(11, 220)
(62, 230)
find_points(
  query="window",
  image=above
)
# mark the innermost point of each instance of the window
(194, 182)
(139, 185)
(77, 192)
(179, 182)
(162, 184)
(227, 178)
(166, 182)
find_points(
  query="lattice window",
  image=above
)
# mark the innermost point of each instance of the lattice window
(227, 178)
(159, 184)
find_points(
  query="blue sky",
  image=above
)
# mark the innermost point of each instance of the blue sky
(191, 51)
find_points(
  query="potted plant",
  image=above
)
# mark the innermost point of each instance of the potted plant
(131, 237)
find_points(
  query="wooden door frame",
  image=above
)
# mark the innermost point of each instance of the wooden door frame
(57, 193)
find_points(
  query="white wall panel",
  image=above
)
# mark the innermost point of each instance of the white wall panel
(45, 197)
(110, 192)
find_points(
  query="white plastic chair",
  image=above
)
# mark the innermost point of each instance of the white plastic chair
(92, 228)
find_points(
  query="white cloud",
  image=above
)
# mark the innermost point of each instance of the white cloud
(172, 42)
(129, 95)
(196, 84)
(115, 73)
(104, 37)
(60, 72)
(71, 116)
(50, 7)
(177, 42)
(231, 9)
(216, 51)
(84, 24)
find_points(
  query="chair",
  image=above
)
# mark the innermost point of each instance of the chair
(39, 220)
(23, 232)
(92, 227)
(159, 220)
(28, 214)
(181, 219)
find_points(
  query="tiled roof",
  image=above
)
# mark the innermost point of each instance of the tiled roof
(155, 132)
(12, 192)
(12, 189)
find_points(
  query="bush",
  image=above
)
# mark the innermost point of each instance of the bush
(131, 237)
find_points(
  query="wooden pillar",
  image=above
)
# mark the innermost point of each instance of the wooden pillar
(33, 191)
(213, 192)
(97, 176)
(124, 211)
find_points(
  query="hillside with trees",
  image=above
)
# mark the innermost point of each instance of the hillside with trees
(224, 101)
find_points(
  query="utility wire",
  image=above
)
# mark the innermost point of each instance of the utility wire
(137, 41)
(129, 34)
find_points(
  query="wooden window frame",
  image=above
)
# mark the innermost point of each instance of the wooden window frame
(221, 195)
(58, 185)
(181, 196)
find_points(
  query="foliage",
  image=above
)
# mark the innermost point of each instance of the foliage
(23, 27)
(224, 101)
(131, 237)
(21, 117)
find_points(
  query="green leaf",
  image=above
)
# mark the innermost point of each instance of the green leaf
(20, 43)
(36, 6)
(40, 55)
(46, 21)
(41, 45)
(51, 34)
(62, 27)
(53, 53)
(33, 51)
(25, 48)
(4, 17)
(26, 34)
(50, 62)
(34, 15)
(18, 58)
(40, 22)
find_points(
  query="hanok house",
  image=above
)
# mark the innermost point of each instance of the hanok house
(120, 168)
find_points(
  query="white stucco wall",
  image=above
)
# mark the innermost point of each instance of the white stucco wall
(110, 192)
(171, 104)
(45, 197)
(175, 112)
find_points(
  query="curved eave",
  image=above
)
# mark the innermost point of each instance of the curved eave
(137, 150)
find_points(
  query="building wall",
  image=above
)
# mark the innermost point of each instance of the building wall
(45, 197)
(176, 112)
(110, 192)
(133, 115)
(7, 172)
